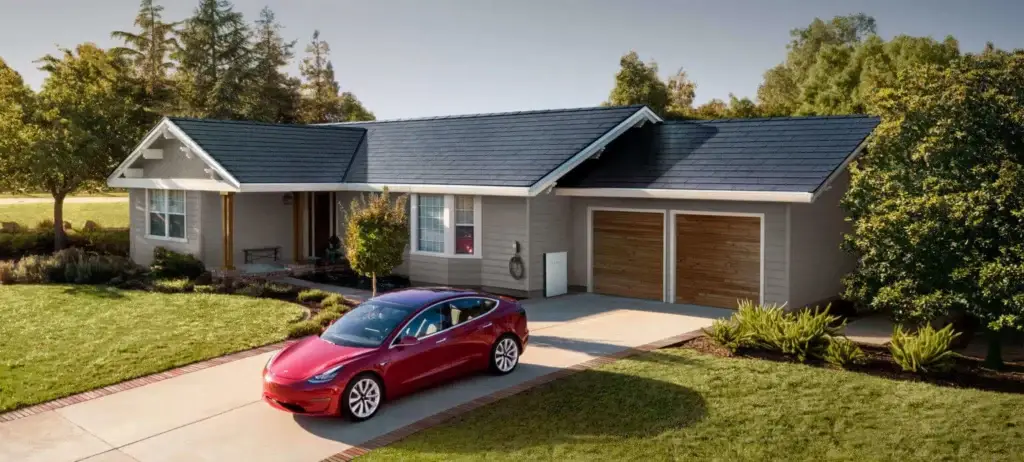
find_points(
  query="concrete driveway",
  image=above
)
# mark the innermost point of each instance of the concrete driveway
(216, 414)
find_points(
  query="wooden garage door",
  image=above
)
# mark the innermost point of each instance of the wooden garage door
(718, 260)
(629, 254)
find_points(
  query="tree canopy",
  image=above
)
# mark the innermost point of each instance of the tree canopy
(638, 83)
(149, 51)
(214, 62)
(271, 96)
(938, 202)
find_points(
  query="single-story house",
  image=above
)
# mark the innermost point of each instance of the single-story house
(612, 200)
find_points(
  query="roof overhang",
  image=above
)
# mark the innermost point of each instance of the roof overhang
(641, 116)
(827, 184)
(376, 187)
(187, 184)
(167, 129)
(691, 194)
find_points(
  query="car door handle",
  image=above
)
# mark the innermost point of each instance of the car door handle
(487, 325)
(443, 340)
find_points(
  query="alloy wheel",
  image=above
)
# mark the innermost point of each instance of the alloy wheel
(364, 398)
(506, 355)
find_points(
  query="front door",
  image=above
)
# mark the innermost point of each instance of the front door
(321, 215)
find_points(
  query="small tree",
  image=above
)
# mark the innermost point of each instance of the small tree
(376, 233)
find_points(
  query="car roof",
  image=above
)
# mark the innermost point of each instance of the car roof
(421, 296)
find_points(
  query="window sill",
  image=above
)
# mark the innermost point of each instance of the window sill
(165, 238)
(444, 255)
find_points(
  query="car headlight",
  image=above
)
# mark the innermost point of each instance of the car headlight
(325, 376)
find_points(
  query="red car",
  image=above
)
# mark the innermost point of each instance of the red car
(393, 345)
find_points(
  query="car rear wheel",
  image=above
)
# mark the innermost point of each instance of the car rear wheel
(362, 397)
(504, 355)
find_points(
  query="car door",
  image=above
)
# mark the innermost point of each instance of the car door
(415, 366)
(473, 331)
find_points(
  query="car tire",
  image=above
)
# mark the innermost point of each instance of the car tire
(362, 398)
(505, 354)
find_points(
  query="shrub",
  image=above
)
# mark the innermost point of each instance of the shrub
(10, 227)
(925, 351)
(33, 269)
(108, 241)
(91, 226)
(204, 278)
(171, 264)
(312, 295)
(728, 334)
(205, 289)
(304, 329)
(843, 353)
(326, 316)
(759, 321)
(805, 334)
(283, 291)
(172, 286)
(252, 289)
(45, 225)
(6, 272)
(333, 301)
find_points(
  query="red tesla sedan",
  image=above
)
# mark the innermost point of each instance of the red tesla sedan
(395, 344)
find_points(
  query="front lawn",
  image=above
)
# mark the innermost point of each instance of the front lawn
(57, 340)
(678, 404)
(106, 214)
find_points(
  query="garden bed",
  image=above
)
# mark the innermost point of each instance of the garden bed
(343, 276)
(967, 371)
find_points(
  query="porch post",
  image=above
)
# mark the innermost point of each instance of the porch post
(297, 227)
(227, 208)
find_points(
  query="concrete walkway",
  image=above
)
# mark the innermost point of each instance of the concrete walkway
(70, 200)
(874, 329)
(357, 294)
(216, 414)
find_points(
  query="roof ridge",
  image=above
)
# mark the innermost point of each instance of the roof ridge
(765, 119)
(253, 122)
(483, 114)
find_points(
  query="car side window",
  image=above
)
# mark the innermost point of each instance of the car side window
(467, 309)
(430, 321)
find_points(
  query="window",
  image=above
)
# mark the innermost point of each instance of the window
(166, 213)
(429, 322)
(464, 225)
(468, 309)
(430, 224)
(447, 225)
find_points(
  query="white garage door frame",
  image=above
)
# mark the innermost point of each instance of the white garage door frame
(666, 291)
(671, 243)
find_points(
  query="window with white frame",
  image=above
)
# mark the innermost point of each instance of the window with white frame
(430, 223)
(447, 225)
(464, 227)
(166, 213)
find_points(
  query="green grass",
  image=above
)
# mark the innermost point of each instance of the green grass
(119, 193)
(57, 340)
(681, 405)
(109, 215)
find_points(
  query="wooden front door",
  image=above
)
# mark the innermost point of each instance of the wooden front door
(629, 254)
(320, 219)
(718, 260)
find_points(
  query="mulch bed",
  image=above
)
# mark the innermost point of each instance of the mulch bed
(967, 371)
(345, 277)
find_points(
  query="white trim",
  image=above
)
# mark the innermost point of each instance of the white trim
(643, 114)
(674, 249)
(167, 228)
(448, 220)
(695, 194)
(590, 244)
(185, 184)
(827, 184)
(164, 128)
(395, 188)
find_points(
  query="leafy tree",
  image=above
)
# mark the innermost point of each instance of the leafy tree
(376, 234)
(87, 117)
(18, 133)
(320, 102)
(148, 51)
(353, 110)
(272, 96)
(713, 109)
(681, 91)
(638, 83)
(938, 202)
(214, 62)
(743, 107)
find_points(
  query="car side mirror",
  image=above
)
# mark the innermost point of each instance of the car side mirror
(408, 340)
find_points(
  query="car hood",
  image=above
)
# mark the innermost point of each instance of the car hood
(311, 356)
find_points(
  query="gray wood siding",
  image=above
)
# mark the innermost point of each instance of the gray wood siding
(776, 275)
(142, 246)
(174, 164)
(213, 244)
(504, 222)
(550, 231)
(817, 262)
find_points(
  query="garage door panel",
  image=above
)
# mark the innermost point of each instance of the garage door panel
(628, 254)
(718, 259)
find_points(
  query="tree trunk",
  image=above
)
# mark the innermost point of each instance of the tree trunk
(374, 277)
(994, 356)
(60, 238)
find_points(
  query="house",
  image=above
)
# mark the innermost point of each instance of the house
(611, 200)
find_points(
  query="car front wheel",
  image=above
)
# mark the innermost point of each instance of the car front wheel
(504, 355)
(362, 397)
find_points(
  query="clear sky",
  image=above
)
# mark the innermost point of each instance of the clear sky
(418, 57)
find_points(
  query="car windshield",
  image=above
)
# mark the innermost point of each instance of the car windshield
(368, 325)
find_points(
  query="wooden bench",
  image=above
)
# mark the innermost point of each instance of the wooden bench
(261, 254)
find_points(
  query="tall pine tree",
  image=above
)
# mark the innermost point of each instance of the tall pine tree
(320, 101)
(214, 62)
(272, 96)
(148, 51)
